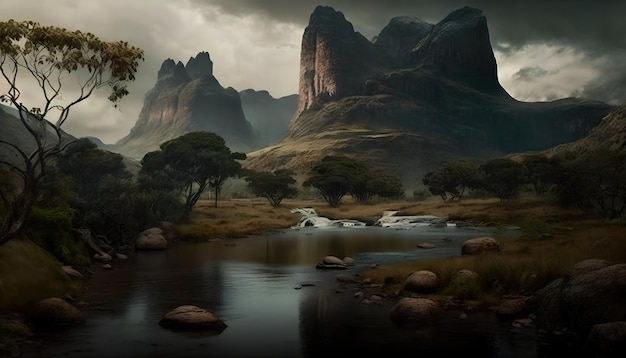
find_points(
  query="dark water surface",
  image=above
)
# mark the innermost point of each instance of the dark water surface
(255, 285)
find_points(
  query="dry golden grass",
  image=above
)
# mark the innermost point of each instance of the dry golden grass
(525, 263)
(241, 217)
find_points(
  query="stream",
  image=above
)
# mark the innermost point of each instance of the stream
(275, 302)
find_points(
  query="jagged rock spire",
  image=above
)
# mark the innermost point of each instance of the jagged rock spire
(198, 66)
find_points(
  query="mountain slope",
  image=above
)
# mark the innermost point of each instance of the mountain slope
(188, 98)
(419, 94)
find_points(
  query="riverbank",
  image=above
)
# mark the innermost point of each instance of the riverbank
(538, 237)
(243, 217)
(540, 241)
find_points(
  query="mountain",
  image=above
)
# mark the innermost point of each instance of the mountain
(14, 132)
(416, 95)
(610, 133)
(188, 98)
(269, 116)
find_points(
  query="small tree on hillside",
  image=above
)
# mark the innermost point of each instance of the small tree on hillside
(51, 58)
(274, 186)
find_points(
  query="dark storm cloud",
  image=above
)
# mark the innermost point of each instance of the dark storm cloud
(595, 25)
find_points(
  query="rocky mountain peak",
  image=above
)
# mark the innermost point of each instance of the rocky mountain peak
(327, 19)
(459, 47)
(199, 66)
(334, 59)
(401, 35)
(172, 72)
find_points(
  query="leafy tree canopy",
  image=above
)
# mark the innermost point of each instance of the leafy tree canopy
(274, 186)
(193, 162)
(67, 67)
(337, 176)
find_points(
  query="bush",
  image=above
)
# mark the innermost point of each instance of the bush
(51, 228)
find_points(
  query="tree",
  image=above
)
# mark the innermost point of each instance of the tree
(541, 172)
(379, 183)
(191, 163)
(102, 187)
(333, 176)
(54, 60)
(274, 186)
(502, 177)
(594, 181)
(337, 176)
(451, 180)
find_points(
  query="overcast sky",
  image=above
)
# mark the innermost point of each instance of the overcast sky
(545, 49)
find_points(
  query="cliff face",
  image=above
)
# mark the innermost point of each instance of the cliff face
(334, 59)
(417, 95)
(188, 98)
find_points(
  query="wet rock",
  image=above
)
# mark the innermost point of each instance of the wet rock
(151, 239)
(190, 317)
(480, 245)
(422, 281)
(71, 272)
(512, 308)
(426, 245)
(415, 312)
(348, 261)
(331, 262)
(54, 311)
(102, 257)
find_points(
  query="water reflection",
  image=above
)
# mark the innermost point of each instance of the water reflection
(251, 284)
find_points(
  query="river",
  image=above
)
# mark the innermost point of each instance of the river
(275, 302)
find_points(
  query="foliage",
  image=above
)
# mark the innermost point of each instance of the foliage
(502, 177)
(102, 188)
(51, 228)
(595, 180)
(451, 180)
(336, 176)
(274, 186)
(189, 164)
(51, 58)
(540, 171)
(376, 182)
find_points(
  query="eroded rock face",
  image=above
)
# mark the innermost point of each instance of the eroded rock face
(334, 59)
(190, 317)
